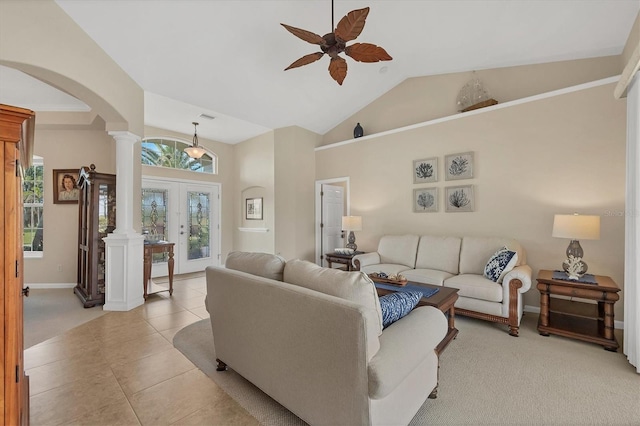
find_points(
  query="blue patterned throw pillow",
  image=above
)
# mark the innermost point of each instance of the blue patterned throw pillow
(396, 305)
(500, 264)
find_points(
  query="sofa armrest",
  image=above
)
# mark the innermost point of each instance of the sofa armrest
(403, 346)
(365, 259)
(522, 273)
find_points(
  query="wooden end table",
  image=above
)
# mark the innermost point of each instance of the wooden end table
(343, 259)
(444, 300)
(589, 322)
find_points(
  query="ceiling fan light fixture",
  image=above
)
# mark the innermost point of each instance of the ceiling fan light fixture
(334, 43)
(195, 150)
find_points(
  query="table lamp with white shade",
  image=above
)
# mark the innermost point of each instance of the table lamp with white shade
(352, 223)
(575, 227)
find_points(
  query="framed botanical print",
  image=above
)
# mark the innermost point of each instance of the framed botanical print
(253, 208)
(65, 186)
(425, 171)
(458, 166)
(425, 200)
(459, 199)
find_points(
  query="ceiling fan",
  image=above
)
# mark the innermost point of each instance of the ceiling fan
(334, 43)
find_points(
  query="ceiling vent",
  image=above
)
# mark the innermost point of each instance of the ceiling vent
(206, 117)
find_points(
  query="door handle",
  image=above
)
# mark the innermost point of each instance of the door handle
(25, 291)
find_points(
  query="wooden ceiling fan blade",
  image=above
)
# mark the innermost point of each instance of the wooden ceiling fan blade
(367, 52)
(305, 35)
(305, 60)
(351, 25)
(338, 69)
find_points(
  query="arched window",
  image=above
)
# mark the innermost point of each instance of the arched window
(166, 152)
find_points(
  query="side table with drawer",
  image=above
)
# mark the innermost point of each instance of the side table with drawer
(590, 322)
(343, 259)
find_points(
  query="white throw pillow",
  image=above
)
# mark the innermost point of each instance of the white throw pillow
(502, 261)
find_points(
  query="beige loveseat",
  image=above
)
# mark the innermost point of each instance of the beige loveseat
(458, 263)
(321, 354)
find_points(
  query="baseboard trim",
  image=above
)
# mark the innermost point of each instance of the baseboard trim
(619, 325)
(40, 286)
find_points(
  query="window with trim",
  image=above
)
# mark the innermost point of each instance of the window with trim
(165, 152)
(33, 200)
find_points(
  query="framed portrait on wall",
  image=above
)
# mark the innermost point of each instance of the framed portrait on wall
(253, 208)
(65, 186)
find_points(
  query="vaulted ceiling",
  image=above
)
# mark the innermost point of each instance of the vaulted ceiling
(227, 58)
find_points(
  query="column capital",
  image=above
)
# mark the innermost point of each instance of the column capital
(124, 135)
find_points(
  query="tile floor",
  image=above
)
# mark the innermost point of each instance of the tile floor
(122, 369)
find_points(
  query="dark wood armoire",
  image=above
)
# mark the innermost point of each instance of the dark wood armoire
(96, 220)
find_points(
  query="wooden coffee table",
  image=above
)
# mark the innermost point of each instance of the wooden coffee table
(444, 300)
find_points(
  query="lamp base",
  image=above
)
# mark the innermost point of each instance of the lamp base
(352, 241)
(575, 267)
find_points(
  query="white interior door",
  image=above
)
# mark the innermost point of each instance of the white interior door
(332, 212)
(187, 214)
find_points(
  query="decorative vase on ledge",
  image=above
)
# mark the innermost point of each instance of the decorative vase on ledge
(358, 131)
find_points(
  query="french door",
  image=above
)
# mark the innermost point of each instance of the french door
(186, 213)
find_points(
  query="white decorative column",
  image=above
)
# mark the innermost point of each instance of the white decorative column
(631, 335)
(124, 247)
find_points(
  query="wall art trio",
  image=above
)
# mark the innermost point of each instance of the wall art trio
(457, 198)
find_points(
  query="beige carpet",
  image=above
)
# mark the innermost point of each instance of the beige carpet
(51, 312)
(486, 378)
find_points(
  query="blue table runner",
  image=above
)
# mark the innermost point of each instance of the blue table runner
(426, 292)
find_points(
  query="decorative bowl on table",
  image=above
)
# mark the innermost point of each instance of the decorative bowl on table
(343, 251)
(381, 277)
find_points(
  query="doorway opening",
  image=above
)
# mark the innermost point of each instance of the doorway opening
(332, 202)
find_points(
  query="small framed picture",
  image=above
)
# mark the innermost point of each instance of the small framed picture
(65, 186)
(425, 200)
(459, 199)
(425, 171)
(458, 166)
(253, 210)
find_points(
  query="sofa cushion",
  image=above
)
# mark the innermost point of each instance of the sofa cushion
(426, 276)
(398, 249)
(421, 331)
(499, 264)
(476, 250)
(387, 268)
(441, 253)
(355, 286)
(397, 305)
(476, 287)
(262, 264)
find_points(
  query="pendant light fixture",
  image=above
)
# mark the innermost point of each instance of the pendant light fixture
(195, 151)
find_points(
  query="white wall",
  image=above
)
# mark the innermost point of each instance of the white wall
(557, 155)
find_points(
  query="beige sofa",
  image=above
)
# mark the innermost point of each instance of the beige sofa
(321, 354)
(458, 263)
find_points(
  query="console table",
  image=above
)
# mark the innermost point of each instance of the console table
(149, 249)
(590, 322)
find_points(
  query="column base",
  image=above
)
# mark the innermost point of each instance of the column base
(124, 264)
